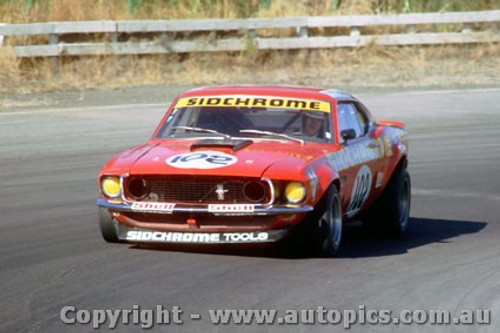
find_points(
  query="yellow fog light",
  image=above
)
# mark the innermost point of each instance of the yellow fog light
(295, 192)
(111, 187)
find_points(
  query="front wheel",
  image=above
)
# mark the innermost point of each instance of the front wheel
(330, 224)
(107, 226)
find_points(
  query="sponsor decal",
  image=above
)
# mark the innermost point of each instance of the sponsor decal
(245, 236)
(388, 146)
(195, 237)
(353, 155)
(201, 160)
(153, 206)
(254, 101)
(360, 190)
(231, 208)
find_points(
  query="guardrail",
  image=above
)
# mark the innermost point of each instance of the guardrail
(207, 35)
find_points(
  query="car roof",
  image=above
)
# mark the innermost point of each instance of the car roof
(271, 90)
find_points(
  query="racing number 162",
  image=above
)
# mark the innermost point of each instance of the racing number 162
(210, 158)
(360, 192)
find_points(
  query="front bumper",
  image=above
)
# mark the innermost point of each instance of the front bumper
(182, 208)
(260, 225)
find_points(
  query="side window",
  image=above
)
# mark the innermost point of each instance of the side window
(363, 121)
(364, 116)
(348, 117)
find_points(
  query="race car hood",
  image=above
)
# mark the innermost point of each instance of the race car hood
(251, 159)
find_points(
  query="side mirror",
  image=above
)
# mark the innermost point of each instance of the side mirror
(348, 134)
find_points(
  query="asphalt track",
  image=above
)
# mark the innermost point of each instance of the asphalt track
(52, 254)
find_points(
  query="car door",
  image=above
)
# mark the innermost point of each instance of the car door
(361, 155)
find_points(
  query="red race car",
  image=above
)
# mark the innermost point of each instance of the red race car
(252, 164)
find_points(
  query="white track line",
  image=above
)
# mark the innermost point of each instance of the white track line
(449, 91)
(454, 194)
(166, 104)
(82, 108)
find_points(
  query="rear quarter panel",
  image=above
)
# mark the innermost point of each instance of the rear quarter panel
(393, 140)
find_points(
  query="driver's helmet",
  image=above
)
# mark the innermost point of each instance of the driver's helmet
(313, 115)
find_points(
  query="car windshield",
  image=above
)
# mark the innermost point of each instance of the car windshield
(294, 120)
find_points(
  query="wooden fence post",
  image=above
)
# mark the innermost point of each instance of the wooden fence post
(54, 40)
(355, 31)
(302, 32)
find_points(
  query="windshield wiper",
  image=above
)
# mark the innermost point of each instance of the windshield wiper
(203, 130)
(267, 133)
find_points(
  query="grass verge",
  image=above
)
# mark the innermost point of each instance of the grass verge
(23, 11)
(371, 66)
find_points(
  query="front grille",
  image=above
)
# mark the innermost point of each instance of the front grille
(198, 190)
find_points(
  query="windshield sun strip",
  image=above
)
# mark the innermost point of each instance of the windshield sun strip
(250, 101)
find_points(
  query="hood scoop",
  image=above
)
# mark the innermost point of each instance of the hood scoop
(232, 144)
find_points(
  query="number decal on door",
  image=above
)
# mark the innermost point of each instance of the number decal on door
(360, 190)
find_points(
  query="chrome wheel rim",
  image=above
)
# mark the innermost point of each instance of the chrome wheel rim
(404, 203)
(333, 220)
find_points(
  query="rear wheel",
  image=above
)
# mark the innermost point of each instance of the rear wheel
(391, 212)
(107, 226)
(330, 225)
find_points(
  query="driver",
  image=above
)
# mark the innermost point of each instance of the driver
(313, 124)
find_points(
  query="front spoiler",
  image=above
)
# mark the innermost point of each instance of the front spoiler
(135, 235)
(258, 210)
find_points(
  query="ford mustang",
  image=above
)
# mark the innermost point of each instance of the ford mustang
(256, 164)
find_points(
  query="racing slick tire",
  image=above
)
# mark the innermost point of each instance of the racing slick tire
(107, 226)
(330, 224)
(320, 233)
(391, 213)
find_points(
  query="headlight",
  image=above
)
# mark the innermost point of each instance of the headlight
(254, 191)
(295, 192)
(111, 186)
(138, 188)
